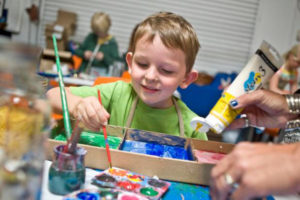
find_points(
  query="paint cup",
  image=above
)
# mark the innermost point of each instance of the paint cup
(67, 171)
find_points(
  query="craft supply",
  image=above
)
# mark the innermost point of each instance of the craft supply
(165, 151)
(255, 74)
(162, 145)
(67, 171)
(105, 136)
(71, 145)
(103, 194)
(208, 157)
(125, 180)
(63, 97)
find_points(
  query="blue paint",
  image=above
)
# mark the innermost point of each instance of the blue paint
(163, 139)
(88, 196)
(164, 151)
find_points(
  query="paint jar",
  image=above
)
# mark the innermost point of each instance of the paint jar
(255, 74)
(67, 171)
(24, 124)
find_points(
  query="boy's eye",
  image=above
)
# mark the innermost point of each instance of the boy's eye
(166, 71)
(143, 65)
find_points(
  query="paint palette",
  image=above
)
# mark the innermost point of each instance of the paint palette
(103, 194)
(124, 180)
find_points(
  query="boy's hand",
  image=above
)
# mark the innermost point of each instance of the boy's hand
(91, 113)
(99, 55)
(88, 54)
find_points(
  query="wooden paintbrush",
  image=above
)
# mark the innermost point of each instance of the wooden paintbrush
(64, 103)
(105, 136)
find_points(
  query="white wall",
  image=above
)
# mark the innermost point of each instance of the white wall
(277, 22)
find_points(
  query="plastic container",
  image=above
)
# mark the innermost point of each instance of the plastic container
(255, 74)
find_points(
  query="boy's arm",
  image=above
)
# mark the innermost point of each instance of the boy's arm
(83, 46)
(54, 98)
(88, 109)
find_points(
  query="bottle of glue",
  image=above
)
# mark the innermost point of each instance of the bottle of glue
(260, 68)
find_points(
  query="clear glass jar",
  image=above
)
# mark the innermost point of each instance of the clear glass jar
(67, 171)
(24, 122)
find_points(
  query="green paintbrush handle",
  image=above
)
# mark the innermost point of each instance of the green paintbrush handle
(63, 96)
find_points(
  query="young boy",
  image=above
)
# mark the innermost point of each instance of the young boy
(160, 58)
(99, 49)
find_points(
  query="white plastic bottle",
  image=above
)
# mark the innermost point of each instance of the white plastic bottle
(255, 74)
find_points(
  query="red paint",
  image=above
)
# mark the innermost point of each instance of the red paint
(127, 185)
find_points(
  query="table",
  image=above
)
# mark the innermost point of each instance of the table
(177, 191)
(77, 81)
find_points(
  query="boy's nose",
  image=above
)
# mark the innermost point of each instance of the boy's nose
(151, 74)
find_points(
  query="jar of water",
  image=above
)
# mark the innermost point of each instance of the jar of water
(67, 171)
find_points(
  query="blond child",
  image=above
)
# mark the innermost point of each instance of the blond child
(285, 80)
(99, 49)
(162, 53)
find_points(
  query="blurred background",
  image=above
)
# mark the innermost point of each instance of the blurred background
(229, 31)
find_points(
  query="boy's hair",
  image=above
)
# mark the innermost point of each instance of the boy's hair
(100, 23)
(173, 30)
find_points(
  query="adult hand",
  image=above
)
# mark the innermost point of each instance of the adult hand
(88, 54)
(264, 109)
(259, 170)
(91, 113)
(99, 55)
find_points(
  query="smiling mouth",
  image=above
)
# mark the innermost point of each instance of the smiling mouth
(149, 89)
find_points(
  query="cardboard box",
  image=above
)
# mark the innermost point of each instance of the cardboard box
(48, 60)
(60, 34)
(165, 168)
(63, 28)
(67, 20)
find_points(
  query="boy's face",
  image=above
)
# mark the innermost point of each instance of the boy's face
(157, 71)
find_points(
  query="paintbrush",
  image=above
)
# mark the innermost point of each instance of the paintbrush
(105, 136)
(71, 145)
(63, 97)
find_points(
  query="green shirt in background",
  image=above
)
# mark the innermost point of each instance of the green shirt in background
(118, 97)
(109, 49)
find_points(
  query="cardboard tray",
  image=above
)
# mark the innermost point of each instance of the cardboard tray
(165, 168)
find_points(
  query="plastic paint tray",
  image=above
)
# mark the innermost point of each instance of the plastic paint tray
(125, 180)
(103, 194)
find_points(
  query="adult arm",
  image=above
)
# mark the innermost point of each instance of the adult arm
(264, 109)
(259, 169)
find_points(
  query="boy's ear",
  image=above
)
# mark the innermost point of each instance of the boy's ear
(129, 56)
(190, 78)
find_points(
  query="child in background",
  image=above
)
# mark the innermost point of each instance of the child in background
(99, 49)
(162, 53)
(285, 80)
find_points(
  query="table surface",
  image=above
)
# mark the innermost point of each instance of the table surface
(177, 191)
